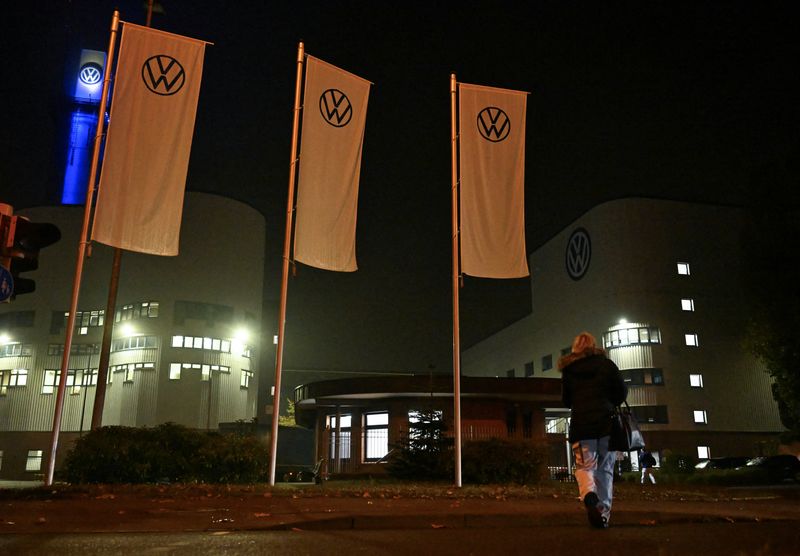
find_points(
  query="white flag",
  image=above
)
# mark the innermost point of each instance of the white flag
(142, 182)
(492, 192)
(334, 114)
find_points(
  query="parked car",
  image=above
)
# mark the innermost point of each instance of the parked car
(785, 467)
(300, 473)
(728, 462)
(294, 473)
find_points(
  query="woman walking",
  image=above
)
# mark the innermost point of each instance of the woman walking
(591, 386)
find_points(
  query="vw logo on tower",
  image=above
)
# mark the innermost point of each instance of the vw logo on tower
(493, 124)
(579, 254)
(90, 73)
(163, 75)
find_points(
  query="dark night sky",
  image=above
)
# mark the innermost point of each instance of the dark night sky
(680, 100)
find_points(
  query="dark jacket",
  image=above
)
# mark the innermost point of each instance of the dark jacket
(591, 386)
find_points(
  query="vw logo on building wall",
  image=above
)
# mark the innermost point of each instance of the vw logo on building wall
(335, 108)
(163, 75)
(579, 253)
(493, 124)
(90, 73)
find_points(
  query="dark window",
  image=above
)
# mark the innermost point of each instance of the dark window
(547, 362)
(17, 319)
(208, 312)
(527, 423)
(529, 368)
(566, 350)
(643, 377)
(650, 413)
(511, 420)
(510, 373)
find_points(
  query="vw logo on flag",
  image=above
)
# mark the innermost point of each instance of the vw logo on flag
(163, 75)
(335, 108)
(90, 73)
(579, 254)
(493, 124)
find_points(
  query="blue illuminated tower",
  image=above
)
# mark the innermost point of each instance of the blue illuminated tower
(85, 100)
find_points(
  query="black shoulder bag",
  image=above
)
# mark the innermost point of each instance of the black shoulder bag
(625, 433)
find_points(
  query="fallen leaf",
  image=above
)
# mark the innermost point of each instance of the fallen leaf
(296, 529)
(41, 520)
(366, 495)
(105, 497)
(647, 522)
(261, 514)
(437, 525)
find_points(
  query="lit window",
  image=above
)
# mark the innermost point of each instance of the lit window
(19, 377)
(50, 381)
(696, 381)
(419, 416)
(34, 462)
(687, 304)
(174, 371)
(700, 416)
(683, 269)
(691, 340)
(344, 440)
(376, 436)
(703, 452)
(245, 380)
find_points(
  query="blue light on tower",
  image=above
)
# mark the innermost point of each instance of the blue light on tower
(83, 124)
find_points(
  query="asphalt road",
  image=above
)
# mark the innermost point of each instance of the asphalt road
(729, 539)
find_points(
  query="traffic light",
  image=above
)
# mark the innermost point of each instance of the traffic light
(19, 251)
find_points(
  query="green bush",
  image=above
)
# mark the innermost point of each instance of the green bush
(501, 461)
(166, 453)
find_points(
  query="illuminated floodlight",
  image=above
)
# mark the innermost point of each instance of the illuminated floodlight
(4, 338)
(241, 336)
(128, 330)
(623, 320)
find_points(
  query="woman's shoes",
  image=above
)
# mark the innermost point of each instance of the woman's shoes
(593, 511)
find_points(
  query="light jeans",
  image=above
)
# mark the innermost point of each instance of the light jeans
(648, 472)
(594, 470)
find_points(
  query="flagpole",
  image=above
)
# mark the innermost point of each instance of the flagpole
(82, 245)
(454, 237)
(108, 323)
(276, 396)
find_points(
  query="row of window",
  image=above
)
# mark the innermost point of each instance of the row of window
(85, 320)
(16, 350)
(77, 378)
(375, 431)
(212, 344)
(176, 372)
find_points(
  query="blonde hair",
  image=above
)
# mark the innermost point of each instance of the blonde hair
(582, 342)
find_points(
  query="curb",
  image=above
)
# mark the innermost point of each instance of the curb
(501, 521)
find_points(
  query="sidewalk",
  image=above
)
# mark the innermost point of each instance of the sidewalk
(202, 508)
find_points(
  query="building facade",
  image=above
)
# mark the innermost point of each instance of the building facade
(660, 284)
(186, 336)
(358, 421)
